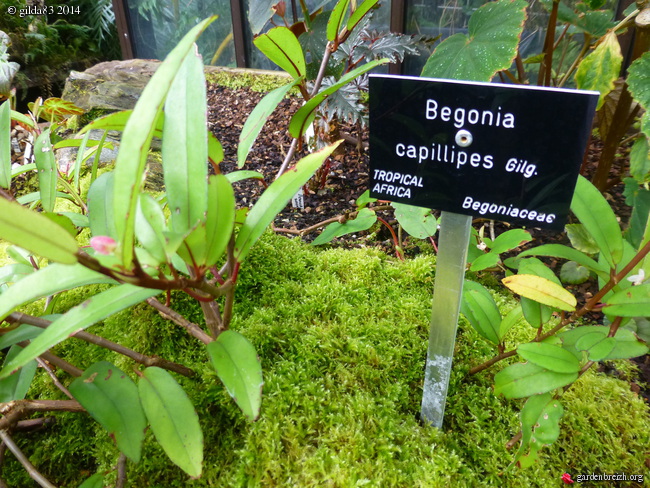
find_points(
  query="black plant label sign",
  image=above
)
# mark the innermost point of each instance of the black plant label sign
(503, 152)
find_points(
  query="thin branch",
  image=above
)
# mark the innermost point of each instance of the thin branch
(13, 411)
(193, 329)
(121, 471)
(29, 467)
(21, 318)
(55, 380)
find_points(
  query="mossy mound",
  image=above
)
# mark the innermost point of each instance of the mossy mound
(342, 339)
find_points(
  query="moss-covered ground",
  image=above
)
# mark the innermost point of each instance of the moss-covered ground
(341, 335)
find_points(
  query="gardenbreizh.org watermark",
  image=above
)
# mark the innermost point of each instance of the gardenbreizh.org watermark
(620, 477)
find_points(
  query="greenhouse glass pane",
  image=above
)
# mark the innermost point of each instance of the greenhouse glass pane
(157, 26)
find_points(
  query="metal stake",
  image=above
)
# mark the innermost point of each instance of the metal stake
(447, 294)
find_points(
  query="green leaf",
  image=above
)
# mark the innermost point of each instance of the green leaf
(185, 146)
(510, 240)
(627, 346)
(364, 199)
(336, 19)
(631, 302)
(597, 345)
(480, 309)
(581, 239)
(536, 314)
(173, 420)
(565, 252)
(640, 160)
(540, 418)
(215, 149)
(572, 273)
(36, 233)
(257, 119)
(236, 176)
(47, 281)
(220, 220)
(599, 220)
(78, 318)
(601, 68)
(100, 206)
(132, 157)
(22, 333)
(275, 198)
(259, 13)
(306, 114)
(638, 80)
(95, 481)
(238, 367)
(112, 399)
(360, 12)
(16, 385)
(417, 221)
(282, 47)
(14, 272)
(510, 320)
(150, 226)
(541, 290)
(525, 379)
(485, 261)
(5, 145)
(363, 221)
(47, 172)
(549, 356)
(115, 121)
(56, 109)
(490, 46)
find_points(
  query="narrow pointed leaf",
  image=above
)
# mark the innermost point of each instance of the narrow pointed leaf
(173, 420)
(257, 119)
(46, 166)
(306, 114)
(360, 12)
(112, 399)
(78, 318)
(5, 145)
(549, 356)
(601, 68)
(565, 252)
(185, 145)
(480, 309)
(236, 176)
(510, 320)
(22, 333)
(150, 225)
(599, 220)
(36, 233)
(509, 240)
(215, 149)
(489, 46)
(47, 281)
(16, 385)
(541, 290)
(275, 198)
(363, 221)
(631, 302)
(336, 19)
(236, 363)
(100, 206)
(220, 220)
(525, 379)
(282, 47)
(132, 157)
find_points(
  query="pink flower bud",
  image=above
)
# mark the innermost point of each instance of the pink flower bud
(566, 477)
(103, 244)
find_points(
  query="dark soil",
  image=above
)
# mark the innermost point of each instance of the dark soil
(334, 192)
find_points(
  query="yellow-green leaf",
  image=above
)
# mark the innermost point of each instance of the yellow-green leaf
(601, 68)
(541, 290)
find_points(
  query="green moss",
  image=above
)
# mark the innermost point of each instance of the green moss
(342, 339)
(257, 82)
